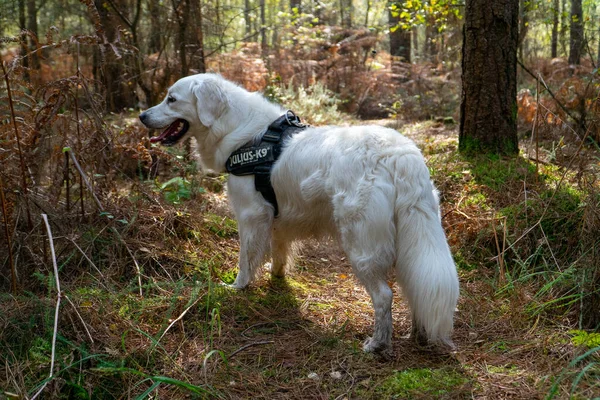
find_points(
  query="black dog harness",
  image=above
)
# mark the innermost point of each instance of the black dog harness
(257, 158)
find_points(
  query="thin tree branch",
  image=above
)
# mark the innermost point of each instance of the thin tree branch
(85, 179)
(18, 137)
(58, 297)
(249, 345)
(579, 122)
(120, 15)
(80, 318)
(178, 318)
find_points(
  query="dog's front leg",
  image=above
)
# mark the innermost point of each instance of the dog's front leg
(255, 237)
(281, 251)
(255, 219)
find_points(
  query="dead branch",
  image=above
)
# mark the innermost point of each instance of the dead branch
(13, 271)
(18, 137)
(58, 297)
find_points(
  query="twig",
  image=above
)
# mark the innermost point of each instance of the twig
(58, 296)
(254, 326)
(137, 266)
(551, 94)
(249, 345)
(86, 257)
(501, 267)
(13, 271)
(558, 184)
(85, 179)
(90, 189)
(79, 134)
(80, 318)
(178, 318)
(18, 137)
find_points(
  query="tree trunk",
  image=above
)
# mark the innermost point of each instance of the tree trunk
(488, 120)
(562, 37)
(524, 8)
(247, 21)
(431, 39)
(114, 69)
(156, 37)
(195, 40)
(32, 26)
(415, 43)
(598, 56)
(576, 41)
(399, 38)
(555, 26)
(346, 13)
(22, 26)
(263, 28)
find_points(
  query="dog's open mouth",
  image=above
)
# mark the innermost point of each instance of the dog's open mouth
(173, 133)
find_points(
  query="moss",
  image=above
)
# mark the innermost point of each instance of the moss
(494, 171)
(462, 263)
(507, 370)
(421, 382)
(224, 227)
(471, 146)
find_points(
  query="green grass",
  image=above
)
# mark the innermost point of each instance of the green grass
(422, 383)
(224, 227)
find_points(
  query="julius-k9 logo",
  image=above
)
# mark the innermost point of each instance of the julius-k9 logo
(252, 155)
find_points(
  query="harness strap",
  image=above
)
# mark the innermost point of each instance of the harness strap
(258, 158)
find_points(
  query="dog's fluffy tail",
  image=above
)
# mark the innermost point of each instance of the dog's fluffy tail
(424, 267)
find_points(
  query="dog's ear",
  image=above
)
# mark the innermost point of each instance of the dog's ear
(211, 101)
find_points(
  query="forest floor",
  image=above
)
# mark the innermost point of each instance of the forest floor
(297, 338)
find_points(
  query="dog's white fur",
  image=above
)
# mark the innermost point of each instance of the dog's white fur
(367, 186)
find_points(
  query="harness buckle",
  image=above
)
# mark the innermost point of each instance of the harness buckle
(293, 119)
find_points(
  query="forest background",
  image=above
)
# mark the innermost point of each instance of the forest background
(112, 249)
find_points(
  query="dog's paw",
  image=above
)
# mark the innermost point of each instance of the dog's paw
(376, 347)
(233, 286)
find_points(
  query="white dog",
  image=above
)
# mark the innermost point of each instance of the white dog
(367, 186)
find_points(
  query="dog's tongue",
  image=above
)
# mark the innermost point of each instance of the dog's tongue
(171, 129)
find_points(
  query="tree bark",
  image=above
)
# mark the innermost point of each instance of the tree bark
(113, 72)
(195, 39)
(247, 20)
(399, 38)
(555, 26)
(346, 13)
(32, 26)
(524, 9)
(155, 39)
(488, 121)
(263, 28)
(576, 31)
(598, 54)
(431, 38)
(23, 47)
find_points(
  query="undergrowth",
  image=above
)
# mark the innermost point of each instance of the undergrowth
(144, 244)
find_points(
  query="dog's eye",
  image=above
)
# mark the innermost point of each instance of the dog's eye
(171, 99)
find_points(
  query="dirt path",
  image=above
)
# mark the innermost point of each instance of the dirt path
(301, 338)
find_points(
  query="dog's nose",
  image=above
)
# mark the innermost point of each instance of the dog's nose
(143, 117)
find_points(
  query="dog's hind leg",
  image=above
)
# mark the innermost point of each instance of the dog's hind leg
(381, 295)
(367, 235)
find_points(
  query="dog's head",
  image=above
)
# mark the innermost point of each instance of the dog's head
(192, 105)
